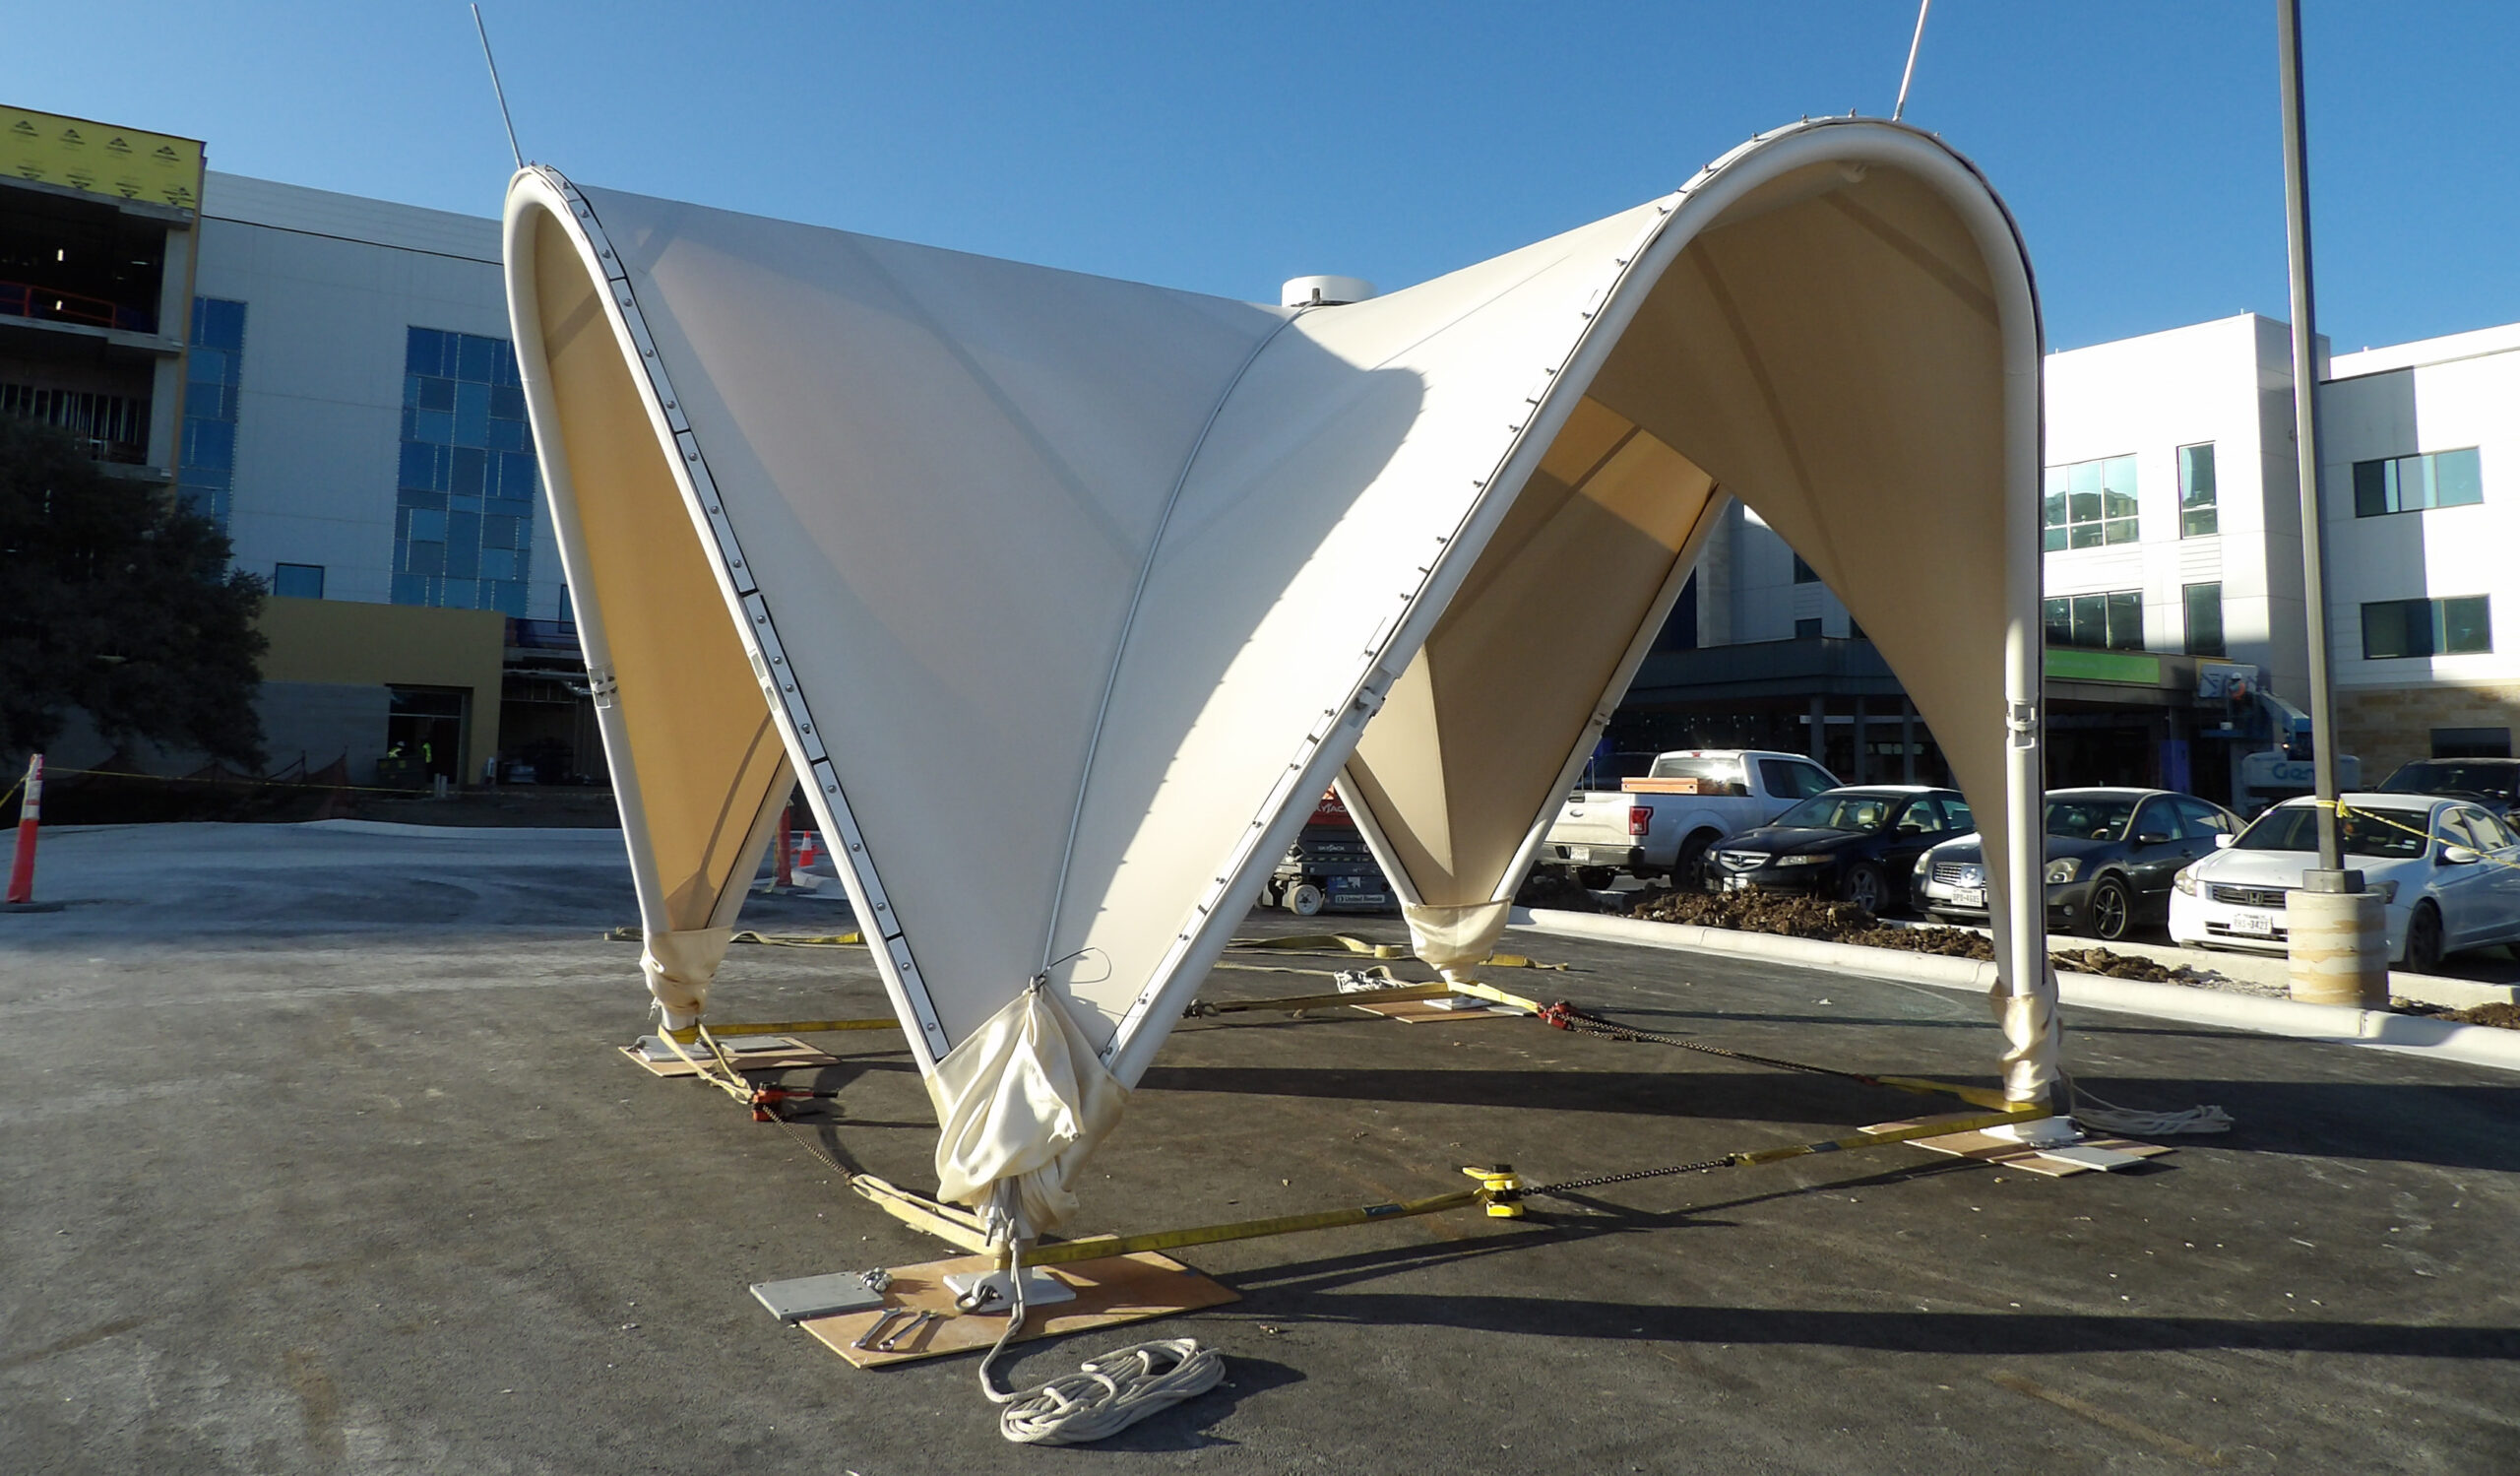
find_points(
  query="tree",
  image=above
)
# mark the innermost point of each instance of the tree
(116, 598)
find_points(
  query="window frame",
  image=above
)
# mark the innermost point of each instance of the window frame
(2105, 610)
(2435, 626)
(277, 569)
(2187, 620)
(2189, 504)
(2379, 483)
(2056, 521)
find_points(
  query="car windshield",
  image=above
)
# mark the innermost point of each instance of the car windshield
(2436, 775)
(2382, 834)
(1860, 814)
(2092, 819)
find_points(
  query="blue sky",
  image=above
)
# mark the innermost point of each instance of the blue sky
(1226, 148)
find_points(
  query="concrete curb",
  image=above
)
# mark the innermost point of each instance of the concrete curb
(2336, 1024)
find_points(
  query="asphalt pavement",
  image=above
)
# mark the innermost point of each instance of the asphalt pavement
(319, 1158)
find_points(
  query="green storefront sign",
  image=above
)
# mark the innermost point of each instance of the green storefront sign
(2069, 665)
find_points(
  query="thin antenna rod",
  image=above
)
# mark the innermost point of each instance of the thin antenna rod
(1906, 77)
(502, 92)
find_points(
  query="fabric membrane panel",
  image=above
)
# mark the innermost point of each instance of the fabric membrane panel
(1067, 597)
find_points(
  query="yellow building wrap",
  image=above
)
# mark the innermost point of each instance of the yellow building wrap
(99, 159)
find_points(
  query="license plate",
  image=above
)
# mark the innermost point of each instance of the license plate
(2255, 924)
(1736, 883)
(1968, 896)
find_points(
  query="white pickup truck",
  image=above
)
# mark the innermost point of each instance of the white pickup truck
(1662, 824)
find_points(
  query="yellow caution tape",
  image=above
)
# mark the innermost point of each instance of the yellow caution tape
(2344, 811)
(1097, 1247)
(1340, 942)
(1319, 943)
(944, 1221)
(783, 1027)
(631, 933)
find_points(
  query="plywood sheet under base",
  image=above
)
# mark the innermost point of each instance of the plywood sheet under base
(1986, 1148)
(792, 1053)
(1122, 1289)
(1425, 1011)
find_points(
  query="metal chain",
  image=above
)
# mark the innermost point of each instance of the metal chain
(1598, 1181)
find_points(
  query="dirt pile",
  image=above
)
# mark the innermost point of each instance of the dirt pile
(2502, 1016)
(2123, 966)
(1754, 912)
(1846, 922)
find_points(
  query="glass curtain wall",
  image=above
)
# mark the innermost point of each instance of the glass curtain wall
(464, 521)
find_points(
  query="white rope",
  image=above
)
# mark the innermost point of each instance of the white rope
(1107, 1394)
(2111, 1117)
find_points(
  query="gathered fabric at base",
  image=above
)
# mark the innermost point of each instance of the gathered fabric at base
(2032, 1048)
(679, 967)
(1455, 939)
(1023, 1099)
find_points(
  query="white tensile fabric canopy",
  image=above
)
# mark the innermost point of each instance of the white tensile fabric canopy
(1067, 597)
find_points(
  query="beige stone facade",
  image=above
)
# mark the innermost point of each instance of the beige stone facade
(2386, 727)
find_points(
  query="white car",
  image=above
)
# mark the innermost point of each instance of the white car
(2447, 870)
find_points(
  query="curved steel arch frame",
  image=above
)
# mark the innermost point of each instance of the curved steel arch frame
(1431, 413)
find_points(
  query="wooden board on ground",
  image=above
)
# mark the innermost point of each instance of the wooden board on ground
(1986, 1148)
(792, 1053)
(1121, 1289)
(1420, 1011)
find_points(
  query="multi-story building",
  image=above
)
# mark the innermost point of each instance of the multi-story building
(97, 230)
(2179, 639)
(2420, 461)
(330, 379)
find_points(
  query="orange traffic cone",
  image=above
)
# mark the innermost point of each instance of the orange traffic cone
(22, 870)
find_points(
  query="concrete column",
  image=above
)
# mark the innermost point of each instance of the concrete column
(1819, 735)
(1907, 742)
(2339, 944)
(1863, 750)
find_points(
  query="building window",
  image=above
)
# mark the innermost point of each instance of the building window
(1804, 631)
(2198, 515)
(298, 581)
(213, 369)
(2111, 622)
(2090, 503)
(2412, 483)
(2428, 627)
(1802, 572)
(463, 524)
(2205, 618)
(2471, 742)
(114, 428)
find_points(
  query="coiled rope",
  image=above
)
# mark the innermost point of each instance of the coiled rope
(2109, 1117)
(1104, 1396)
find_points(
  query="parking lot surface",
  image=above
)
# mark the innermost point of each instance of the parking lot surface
(319, 1158)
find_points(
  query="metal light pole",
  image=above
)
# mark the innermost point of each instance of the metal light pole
(2305, 422)
(2336, 937)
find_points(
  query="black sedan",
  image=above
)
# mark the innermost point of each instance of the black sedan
(2111, 856)
(2494, 783)
(1858, 844)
